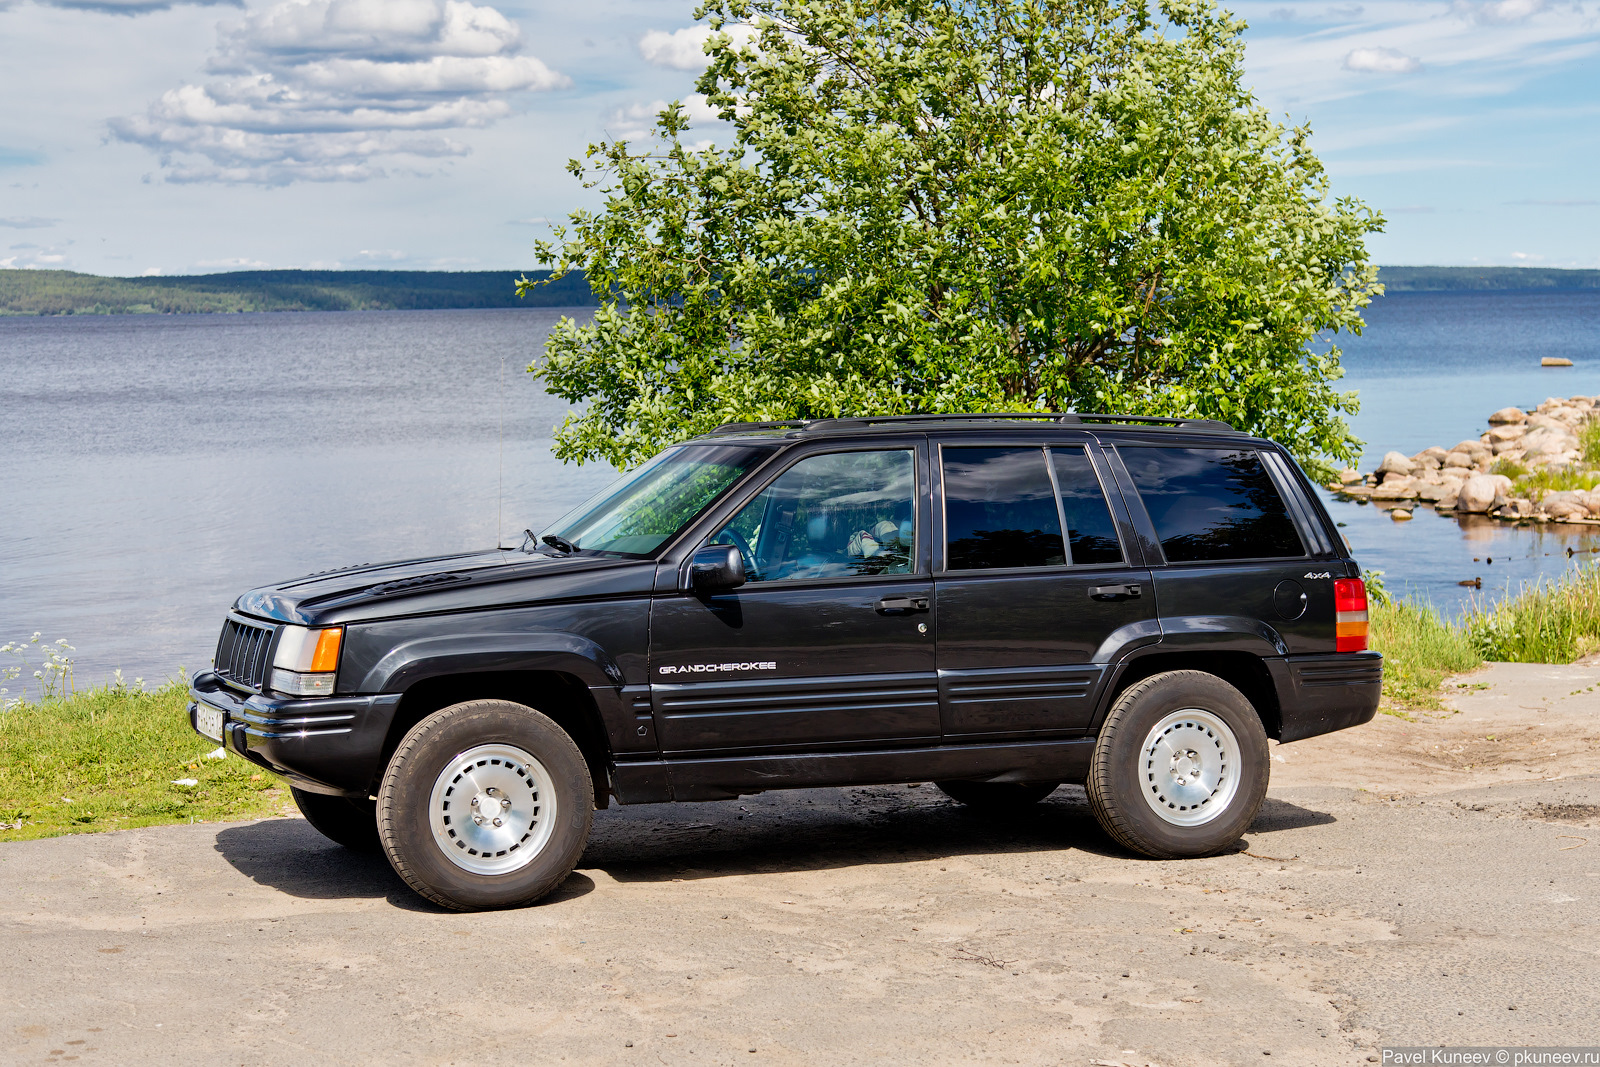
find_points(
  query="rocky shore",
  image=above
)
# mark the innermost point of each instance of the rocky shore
(1540, 466)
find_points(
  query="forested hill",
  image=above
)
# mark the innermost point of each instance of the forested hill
(1449, 279)
(61, 292)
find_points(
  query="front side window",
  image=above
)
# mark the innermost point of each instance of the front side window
(1212, 503)
(1000, 510)
(643, 510)
(838, 515)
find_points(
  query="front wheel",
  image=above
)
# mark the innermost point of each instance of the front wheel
(1180, 767)
(485, 804)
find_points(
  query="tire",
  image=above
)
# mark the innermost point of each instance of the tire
(997, 796)
(346, 821)
(1180, 767)
(450, 783)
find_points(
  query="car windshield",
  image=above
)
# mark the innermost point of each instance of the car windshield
(645, 508)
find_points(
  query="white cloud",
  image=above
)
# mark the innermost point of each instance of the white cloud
(26, 222)
(1380, 61)
(386, 255)
(681, 49)
(1491, 12)
(32, 257)
(327, 90)
(134, 7)
(685, 49)
(236, 263)
(633, 122)
(1526, 257)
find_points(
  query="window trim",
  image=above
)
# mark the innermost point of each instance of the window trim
(718, 517)
(1155, 533)
(942, 543)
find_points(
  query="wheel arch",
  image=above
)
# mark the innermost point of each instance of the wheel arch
(562, 696)
(1245, 671)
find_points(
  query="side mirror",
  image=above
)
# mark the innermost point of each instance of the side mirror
(716, 567)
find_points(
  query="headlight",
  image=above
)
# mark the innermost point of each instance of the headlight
(307, 661)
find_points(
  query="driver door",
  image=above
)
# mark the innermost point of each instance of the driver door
(829, 642)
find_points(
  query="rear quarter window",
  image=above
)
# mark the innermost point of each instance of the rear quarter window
(1212, 503)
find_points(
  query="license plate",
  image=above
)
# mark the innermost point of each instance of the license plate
(208, 721)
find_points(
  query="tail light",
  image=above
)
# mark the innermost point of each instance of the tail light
(1350, 615)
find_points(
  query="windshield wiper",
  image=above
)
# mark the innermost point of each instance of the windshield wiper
(557, 541)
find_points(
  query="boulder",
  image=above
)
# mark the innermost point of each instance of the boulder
(1566, 510)
(1478, 494)
(1549, 422)
(1434, 492)
(1349, 476)
(1394, 476)
(1448, 501)
(1394, 463)
(1507, 415)
(1509, 432)
(1457, 461)
(1399, 489)
(1400, 514)
(1551, 442)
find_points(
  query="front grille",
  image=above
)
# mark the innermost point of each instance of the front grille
(242, 654)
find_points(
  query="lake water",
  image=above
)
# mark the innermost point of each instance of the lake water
(159, 465)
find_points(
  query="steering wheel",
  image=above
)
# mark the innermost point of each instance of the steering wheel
(746, 554)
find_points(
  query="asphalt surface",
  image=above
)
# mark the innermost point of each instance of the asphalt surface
(829, 926)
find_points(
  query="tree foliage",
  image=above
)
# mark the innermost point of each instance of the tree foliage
(962, 205)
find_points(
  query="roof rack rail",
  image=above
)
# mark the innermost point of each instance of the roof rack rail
(1067, 418)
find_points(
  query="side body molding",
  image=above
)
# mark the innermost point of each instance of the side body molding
(426, 657)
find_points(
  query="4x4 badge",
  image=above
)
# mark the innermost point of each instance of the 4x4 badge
(1324, 574)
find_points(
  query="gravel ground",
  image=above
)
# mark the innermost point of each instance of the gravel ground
(1407, 883)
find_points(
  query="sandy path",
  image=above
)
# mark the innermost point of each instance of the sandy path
(1404, 884)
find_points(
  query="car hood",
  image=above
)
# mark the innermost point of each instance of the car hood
(462, 582)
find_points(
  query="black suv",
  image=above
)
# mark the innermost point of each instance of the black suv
(997, 604)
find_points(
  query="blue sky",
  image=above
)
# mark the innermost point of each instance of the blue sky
(145, 136)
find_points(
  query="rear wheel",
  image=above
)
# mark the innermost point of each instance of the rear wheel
(1180, 767)
(485, 804)
(997, 796)
(348, 821)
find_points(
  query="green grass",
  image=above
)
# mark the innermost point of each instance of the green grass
(1551, 622)
(1419, 650)
(105, 759)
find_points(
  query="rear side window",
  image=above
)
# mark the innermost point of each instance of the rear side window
(1090, 532)
(1000, 510)
(1212, 503)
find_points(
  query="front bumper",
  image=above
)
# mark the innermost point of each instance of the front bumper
(322, 745)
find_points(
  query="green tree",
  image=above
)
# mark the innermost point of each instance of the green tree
(962, 205)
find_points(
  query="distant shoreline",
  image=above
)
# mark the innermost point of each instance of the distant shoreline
(61, 292)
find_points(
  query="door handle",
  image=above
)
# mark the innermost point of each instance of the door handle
(905, 604)
(1114, 592)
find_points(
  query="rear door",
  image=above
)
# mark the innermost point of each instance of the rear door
(829, 642)
(1022, 610)
(1236, 556)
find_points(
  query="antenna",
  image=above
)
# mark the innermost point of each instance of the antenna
(500, 490)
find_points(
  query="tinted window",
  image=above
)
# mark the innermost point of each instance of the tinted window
(1090, 532)
(1000, 509)
(836, 515)
(1212, 503)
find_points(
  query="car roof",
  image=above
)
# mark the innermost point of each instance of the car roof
(813, 428)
